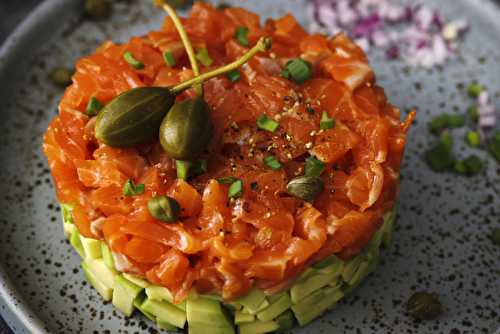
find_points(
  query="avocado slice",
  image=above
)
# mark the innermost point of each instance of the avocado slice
(92, 248)
(307, 303)
(165, 325)
(319, 308)
(377, 236)
(305, 275)
(105, 291)
(165, 310)
(351, 266)
(124, 295)
(285, 320)
(301, 291)
(242, 318)
(278, 306)
(348, 290)
(103, 273)
(258, 327)
(138, 304)
(208, 311)
(109, 261)
(76, 241)
(199, 328)
(262, 306)
(159, 293)
(253, 299)
(387, 236)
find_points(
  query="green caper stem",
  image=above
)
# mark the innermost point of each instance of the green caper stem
(264, 44)
(185, 40)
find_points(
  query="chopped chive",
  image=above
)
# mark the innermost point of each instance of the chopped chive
(446, 140)
(473, 164)
(326, 122)
(495, 236)
(204, 58)
(241, 36)
(494, 150)
(473, 138)
(183, 168)
(446, 119)
(300, 70)
(286, 74)
(199, 168)
(460, 167)
(496, 138)
(227, 180)
(131, 189)
(272, 163)
(472, 111)
(314, 166)
(474, 90)
(439, 157)
(269, 234)
(169, 58)
(130, 59)
(235, 189)
(93, 107)
(267, 124)
(234, 75)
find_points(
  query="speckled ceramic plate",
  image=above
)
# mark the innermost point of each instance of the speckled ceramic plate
(444, 224)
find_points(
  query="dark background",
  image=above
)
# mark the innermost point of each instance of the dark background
(12, 12)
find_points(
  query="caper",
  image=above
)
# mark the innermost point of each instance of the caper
(222, 6)
(424, 305)
(133, 117)
(306, 187)
(97, 8)
(187, 129)
(62, 76)
(164, 208)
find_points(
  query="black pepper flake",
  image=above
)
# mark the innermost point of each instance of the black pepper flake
(220, 230)
(332, 191)
(246, 95)
(310, 110)
(254, 185)
(227, 204)
(263, 148)
(228, 232)
(247, 207)
(336, 167)
(283, 134)
(287, 98)
(206, 152)
(241, 157)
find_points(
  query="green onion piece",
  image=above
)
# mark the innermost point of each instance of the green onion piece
(439, 157)
(131, 189)
(233, 75)
(494, 150)
(130, 59)
(183, 168)
(299, 70)
(286, 74)
(204, 58)
(446, 140)
(472, 111)
(496, 138)
(227, 180)
(272, 163)
(473, 138)
(473, 164)
(326, 122)
(169, 58)
(314, 166)
(267, 124)
(93, 107)
(241, 36)
(495, 236)
(456, 120)
(235, 189)
(460, 167)
(199, 168)
(474, 90)
(446, 119)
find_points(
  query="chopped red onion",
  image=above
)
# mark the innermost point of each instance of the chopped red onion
(428, 40)
(487, 121)
(482, 98)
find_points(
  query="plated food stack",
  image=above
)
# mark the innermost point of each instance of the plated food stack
(283, 212)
